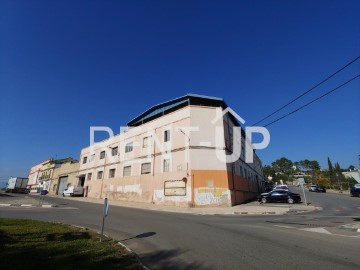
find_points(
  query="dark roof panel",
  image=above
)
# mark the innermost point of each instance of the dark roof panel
(175, 104)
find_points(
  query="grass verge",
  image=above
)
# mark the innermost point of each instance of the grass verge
(29, 244)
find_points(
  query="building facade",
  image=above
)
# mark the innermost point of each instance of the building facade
(35, 175)
(175, 153)
(64, 176)
(41, 174)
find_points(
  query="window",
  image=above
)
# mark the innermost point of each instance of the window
(111, 173)
(127, 171)
(129, 147)
(84, 160)
(114, 151)
(89, 176)
(241, 171)
(166, 135)
(99, 175)
(166, 167)
(102, 154)
(146, 168)
(146, 142)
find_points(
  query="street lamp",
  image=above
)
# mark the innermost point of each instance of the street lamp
(188, 150)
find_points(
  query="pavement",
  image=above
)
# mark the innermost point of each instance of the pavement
(8, 199)
(252, 208)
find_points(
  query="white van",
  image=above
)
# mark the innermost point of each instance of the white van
(73, 191)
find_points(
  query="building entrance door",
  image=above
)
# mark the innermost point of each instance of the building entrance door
(62, 185)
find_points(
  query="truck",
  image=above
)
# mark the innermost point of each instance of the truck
(17, 185)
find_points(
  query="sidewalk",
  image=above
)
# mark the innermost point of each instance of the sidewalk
(335, 191)
(253, 208)
(6, 199)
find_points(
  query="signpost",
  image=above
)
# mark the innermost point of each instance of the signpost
(105, 213)
(301, 182)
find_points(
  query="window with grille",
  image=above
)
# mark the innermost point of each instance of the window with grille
(114, 151)
(166, 165)
(111, 173)
(127, 171)
(145, 168)
(128, 147)
(146, 142)
(166, 135)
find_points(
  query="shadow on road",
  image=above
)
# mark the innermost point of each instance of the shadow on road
(139, 236)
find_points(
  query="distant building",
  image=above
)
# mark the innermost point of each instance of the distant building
(64, 176)
(354, 174)
(159, 160)
(41, 174)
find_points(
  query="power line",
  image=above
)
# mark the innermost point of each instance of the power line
(316, 99)
(308, 91)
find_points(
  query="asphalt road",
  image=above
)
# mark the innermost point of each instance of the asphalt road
(181, 241)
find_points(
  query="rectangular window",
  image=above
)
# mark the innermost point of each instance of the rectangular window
(166, 135)
(84, 160)
(129, 147)
(99, 175)
(127, 171)
(241, 171)
(114, 151)
(92, 157)
(146, 168)
(166, 167)
(102, 154)
(111, 173)
(146, 142)
(89, 176)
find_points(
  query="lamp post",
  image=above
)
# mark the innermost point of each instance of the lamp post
(188, 150)
(187, 166)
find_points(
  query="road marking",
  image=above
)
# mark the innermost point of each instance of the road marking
(317, 230)
(286, 227)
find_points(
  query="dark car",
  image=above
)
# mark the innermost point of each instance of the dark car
(355, 190)
(284, 196)
(315, 188)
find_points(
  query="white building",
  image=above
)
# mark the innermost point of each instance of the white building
(174, 153)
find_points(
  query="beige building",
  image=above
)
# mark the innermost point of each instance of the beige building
(41, 174)
(36, 172)
(175, 153)
(64, 176)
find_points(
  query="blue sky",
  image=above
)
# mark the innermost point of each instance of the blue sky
(69, 65)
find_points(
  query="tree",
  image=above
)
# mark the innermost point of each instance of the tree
(351, 168)
(283, 165)
(268, 171)
(331, 172)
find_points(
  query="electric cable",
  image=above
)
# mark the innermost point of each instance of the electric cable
(308, 91)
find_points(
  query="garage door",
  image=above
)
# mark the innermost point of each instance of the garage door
(62, 184)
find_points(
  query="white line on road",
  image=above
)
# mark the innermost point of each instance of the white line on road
(286, 227)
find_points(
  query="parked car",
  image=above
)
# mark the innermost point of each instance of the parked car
(316, 188)
(73, 191)
(279, 195)
(355, 190)
(282, 187)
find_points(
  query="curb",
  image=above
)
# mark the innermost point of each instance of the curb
(134, 254)
(26, 205)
